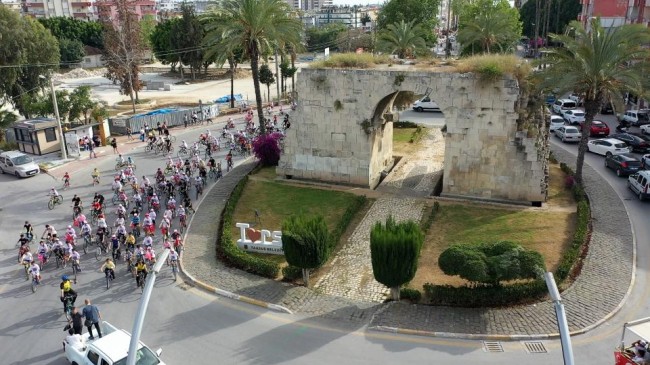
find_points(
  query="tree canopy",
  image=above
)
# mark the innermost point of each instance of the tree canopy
(329, 35)
(27, 51)
(422, 12)
(88, 33)
(306, 243)
(162, 44)
(561, 14)
(72, 51)
(403, 38)
(488, 26)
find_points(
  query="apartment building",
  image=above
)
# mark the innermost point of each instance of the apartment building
(15, 5)
(614, 13)
(84, 10)
(309, 4)
(106, 9)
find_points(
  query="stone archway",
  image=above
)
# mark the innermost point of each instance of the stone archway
(342, 132)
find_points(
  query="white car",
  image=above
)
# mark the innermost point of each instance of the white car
(563, 104)
(607, 146)
(574, 116)
(425, 104)
(645, 129)
(556, 122)
(645, 162)
(568, 134)
(637, 117)
(576, 97)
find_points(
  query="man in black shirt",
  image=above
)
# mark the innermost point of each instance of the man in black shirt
(77, 321)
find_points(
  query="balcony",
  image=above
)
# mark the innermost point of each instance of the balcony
(81, 15)
(35, 5)
(81, 4)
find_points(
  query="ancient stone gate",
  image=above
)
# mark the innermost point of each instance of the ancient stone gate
(342, 132)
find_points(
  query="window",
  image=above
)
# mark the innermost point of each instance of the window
(50, 134)
(23, 135)
(93, 357)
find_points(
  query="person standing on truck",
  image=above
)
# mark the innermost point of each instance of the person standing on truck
(75, 320)
(93, 316)
(75, 340)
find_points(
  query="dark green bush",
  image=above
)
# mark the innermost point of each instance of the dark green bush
(404, 124)
(291, 272)
(227, 249)
(491, 263)
(413, 295)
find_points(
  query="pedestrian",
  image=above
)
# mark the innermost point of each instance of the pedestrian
(128, 134)
(159, 128)
(91, 150)
(87, 141)
(75, 320)
(93, 316)
(82, 144)
(114, 145)
(142, 134)
(185, 120)
(146, 129)
(166, 132)
(96, 140)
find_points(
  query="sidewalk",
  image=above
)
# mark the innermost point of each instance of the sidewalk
(596, 295)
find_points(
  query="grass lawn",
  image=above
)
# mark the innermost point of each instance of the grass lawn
(276, 201)
(401, 141)
(548, 230)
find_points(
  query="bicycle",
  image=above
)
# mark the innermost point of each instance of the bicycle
(140, 281)
(173, 264)
(130, 262)
(75, 269)
(95, 180)
(88, 240)
(66, 184)
(109, 279)
(182, 151)
(101, 249)
(54, 200)
(183, 223)
(67, 307)
(26, 267)
(115, 198)
(35, 283)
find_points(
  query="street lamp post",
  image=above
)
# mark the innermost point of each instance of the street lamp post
(565, 337)
(64, 154)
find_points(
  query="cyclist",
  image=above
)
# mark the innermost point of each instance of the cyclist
(116, 185)
(145, 181)
(160, 175)
(130, 162)
(148, 225)
(155, 203)
(43, 250)
(99, 197)
(96, 207)
(150, 256)
(74, 258)
(229, 160)
(81, 218)
(173, 256)
(23, 240)
(171, 203)
(66, 179)
(140, 267)
(66, 290)
(147, 241)
(152, 215)
(76, 201)
(120, 231)
(198, 183)
(108, 268)
(27, 257)
(120, 211)
(169, 214)
(187, 203)
(101, 232)
(164, 227)
(95, 175)
(122, 197)
(35, 271)
(101, 221)
(49, 232)
(86, 229)
(130, 242)
(135, 221)
(29, 230)
(53, 193)
(70, 233)
(115, 246)
(184, 146)
(58, 248)
(120, 160)
(168, 145)
(137, 199)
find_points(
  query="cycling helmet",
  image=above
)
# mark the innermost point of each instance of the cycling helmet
(146, 214)
(22, 235)
(69, 227)
(64, 277)
(113, 236)
(175, 230)
(136, 214)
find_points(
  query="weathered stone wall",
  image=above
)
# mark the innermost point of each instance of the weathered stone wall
(342, 132)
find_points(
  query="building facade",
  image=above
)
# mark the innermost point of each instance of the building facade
(84, 10)
(614, 13)
(107, 9)
(309, 4)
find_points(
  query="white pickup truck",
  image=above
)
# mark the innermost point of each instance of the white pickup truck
(111, 349)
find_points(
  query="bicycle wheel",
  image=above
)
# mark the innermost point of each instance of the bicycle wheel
(172, 138)
(26, 272)
(147, 148)
(108, 281)
(98, 252)
(86, 244)
(174, 271)
(58, 261)
(50, 204)
(34, 285)
(115, 199)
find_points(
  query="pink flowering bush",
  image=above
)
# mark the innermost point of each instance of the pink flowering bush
(267, 148)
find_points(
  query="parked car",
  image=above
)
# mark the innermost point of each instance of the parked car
(574, 116)
(576, 97)
(568, 134)
(607, 108)
(639, 183)
(425, 104)
(550, 99)
(17, 163)
(556, 122)
(645, 129)
(607, 146)
(563, 104)
(637, 117)
(624, 164)
(638, 144)
(645, 162)
(598, 129)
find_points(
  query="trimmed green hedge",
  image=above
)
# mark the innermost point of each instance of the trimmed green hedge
(520, 293)
(227, 249)
(413, 295)
(405, 124)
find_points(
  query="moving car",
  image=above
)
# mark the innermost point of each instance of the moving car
(568, 134)
(637, 117)
(574, 116)
(425, 104)
(18, 163)
(563, 104)
(623, 164)
(638, 144)
(645, 129)
(607, 146)
(556, 122)
(110, 349)
(639, 183)
(598, 129)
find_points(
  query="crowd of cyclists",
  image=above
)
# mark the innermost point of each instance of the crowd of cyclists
(142, 212)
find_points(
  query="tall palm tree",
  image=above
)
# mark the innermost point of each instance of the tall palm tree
(403, 38)
(489, 31)
(602, 65)
(253, 25)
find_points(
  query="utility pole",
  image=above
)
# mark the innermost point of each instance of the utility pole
(590, 13)
(64, 154)
(277, 75)
(448, 42)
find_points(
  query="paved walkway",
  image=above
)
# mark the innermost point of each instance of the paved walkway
(594, 295)
(351, 274)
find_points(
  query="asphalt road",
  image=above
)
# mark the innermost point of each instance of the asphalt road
(194, 327)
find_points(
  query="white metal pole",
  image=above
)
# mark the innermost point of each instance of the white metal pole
(142, 309)
(64, 154)
(565, 337)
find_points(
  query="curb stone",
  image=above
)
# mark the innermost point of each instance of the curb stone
(209, 288)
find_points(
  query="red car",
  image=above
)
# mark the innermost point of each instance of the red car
(598, 129)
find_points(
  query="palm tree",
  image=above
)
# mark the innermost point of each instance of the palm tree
(602, 65)
(253, 25)
(488, 30)
(405, 39)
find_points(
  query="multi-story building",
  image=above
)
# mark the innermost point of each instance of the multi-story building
(107, 9)
(15, 5)
(348, 15)
(80, 9)
(614, 13)
(309, 4)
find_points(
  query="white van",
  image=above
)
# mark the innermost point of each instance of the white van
(425, 104)
(639, 183)
(17, 163)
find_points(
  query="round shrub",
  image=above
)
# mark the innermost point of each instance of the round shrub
(267, 148)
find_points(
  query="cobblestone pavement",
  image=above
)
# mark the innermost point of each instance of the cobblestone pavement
(599, 289)
(417, 175)
(351, 274)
